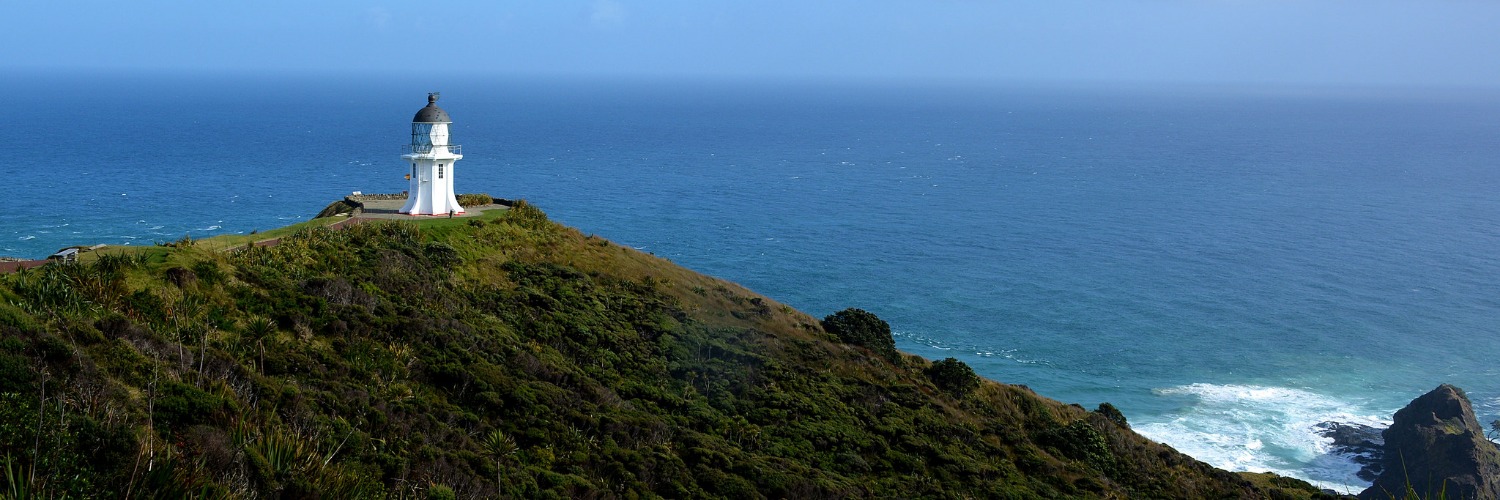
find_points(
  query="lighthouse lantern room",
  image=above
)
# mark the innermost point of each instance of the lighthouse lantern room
(431, 156)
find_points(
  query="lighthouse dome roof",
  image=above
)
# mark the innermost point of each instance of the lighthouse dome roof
(432, 113)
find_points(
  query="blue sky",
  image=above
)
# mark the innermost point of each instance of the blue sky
(1365, 42)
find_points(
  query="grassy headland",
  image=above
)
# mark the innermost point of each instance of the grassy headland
(507, 355)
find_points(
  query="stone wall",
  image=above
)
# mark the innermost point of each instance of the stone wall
(363, 197)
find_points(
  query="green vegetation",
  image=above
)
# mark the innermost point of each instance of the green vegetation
(862, 328)
(508, 356)
(1112, 414)
(474, 199)
(953, 376)
(1288, 488)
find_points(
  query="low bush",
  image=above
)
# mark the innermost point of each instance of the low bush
(475, 199)
(953, 376)
(862, 328)
(1081, 441)
(1112, 414)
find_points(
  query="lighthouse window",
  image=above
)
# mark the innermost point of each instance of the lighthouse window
(413, 170)
(421, 137)
(440, 171)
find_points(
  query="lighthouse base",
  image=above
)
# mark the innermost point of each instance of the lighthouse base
(388, 206)
(420, 203)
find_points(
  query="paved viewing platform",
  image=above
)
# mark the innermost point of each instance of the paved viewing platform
(387, 208)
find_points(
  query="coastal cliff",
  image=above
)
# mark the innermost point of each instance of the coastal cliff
(505, 355)
(1436, 447)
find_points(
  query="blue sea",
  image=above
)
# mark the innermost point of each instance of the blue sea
(1229, 266)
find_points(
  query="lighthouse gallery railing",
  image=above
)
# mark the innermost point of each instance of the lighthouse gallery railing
(422, 149)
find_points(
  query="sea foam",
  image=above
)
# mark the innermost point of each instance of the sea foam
(1262, 429)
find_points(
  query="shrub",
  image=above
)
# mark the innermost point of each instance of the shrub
(1112, 414)
(440, 492)
(475, 199)
(862, 328)
(526, 216)
(1081, 441)
(16, 374)
(442, 254)
(114, 263)
(208, 272)
(180, 405)
(953, 376)
(1293, 483)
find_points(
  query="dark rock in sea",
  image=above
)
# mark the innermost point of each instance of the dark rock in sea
(1361, 443)
(1436, 446)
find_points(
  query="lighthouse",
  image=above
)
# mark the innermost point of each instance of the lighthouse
(431, 156)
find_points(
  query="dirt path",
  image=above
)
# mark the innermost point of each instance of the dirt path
(8, 267)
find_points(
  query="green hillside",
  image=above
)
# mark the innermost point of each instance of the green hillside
(509, 356)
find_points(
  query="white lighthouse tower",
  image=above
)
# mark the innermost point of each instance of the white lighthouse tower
(431, 155)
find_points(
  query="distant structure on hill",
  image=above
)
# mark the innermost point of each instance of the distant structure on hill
(432, 156)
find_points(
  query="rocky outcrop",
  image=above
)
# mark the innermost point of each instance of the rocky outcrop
(1436, 445)
(336, 208)
(1361, 443)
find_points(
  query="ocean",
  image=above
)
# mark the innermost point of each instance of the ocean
(1228, 266)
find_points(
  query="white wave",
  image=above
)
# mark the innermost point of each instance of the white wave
(1262, 429)
(27, 237)
(211, 228)
(938, 344)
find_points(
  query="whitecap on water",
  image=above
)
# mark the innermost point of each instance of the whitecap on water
(937, 344)
(1262, 429)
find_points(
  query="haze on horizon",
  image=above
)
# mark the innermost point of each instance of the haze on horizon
(1306, 42)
